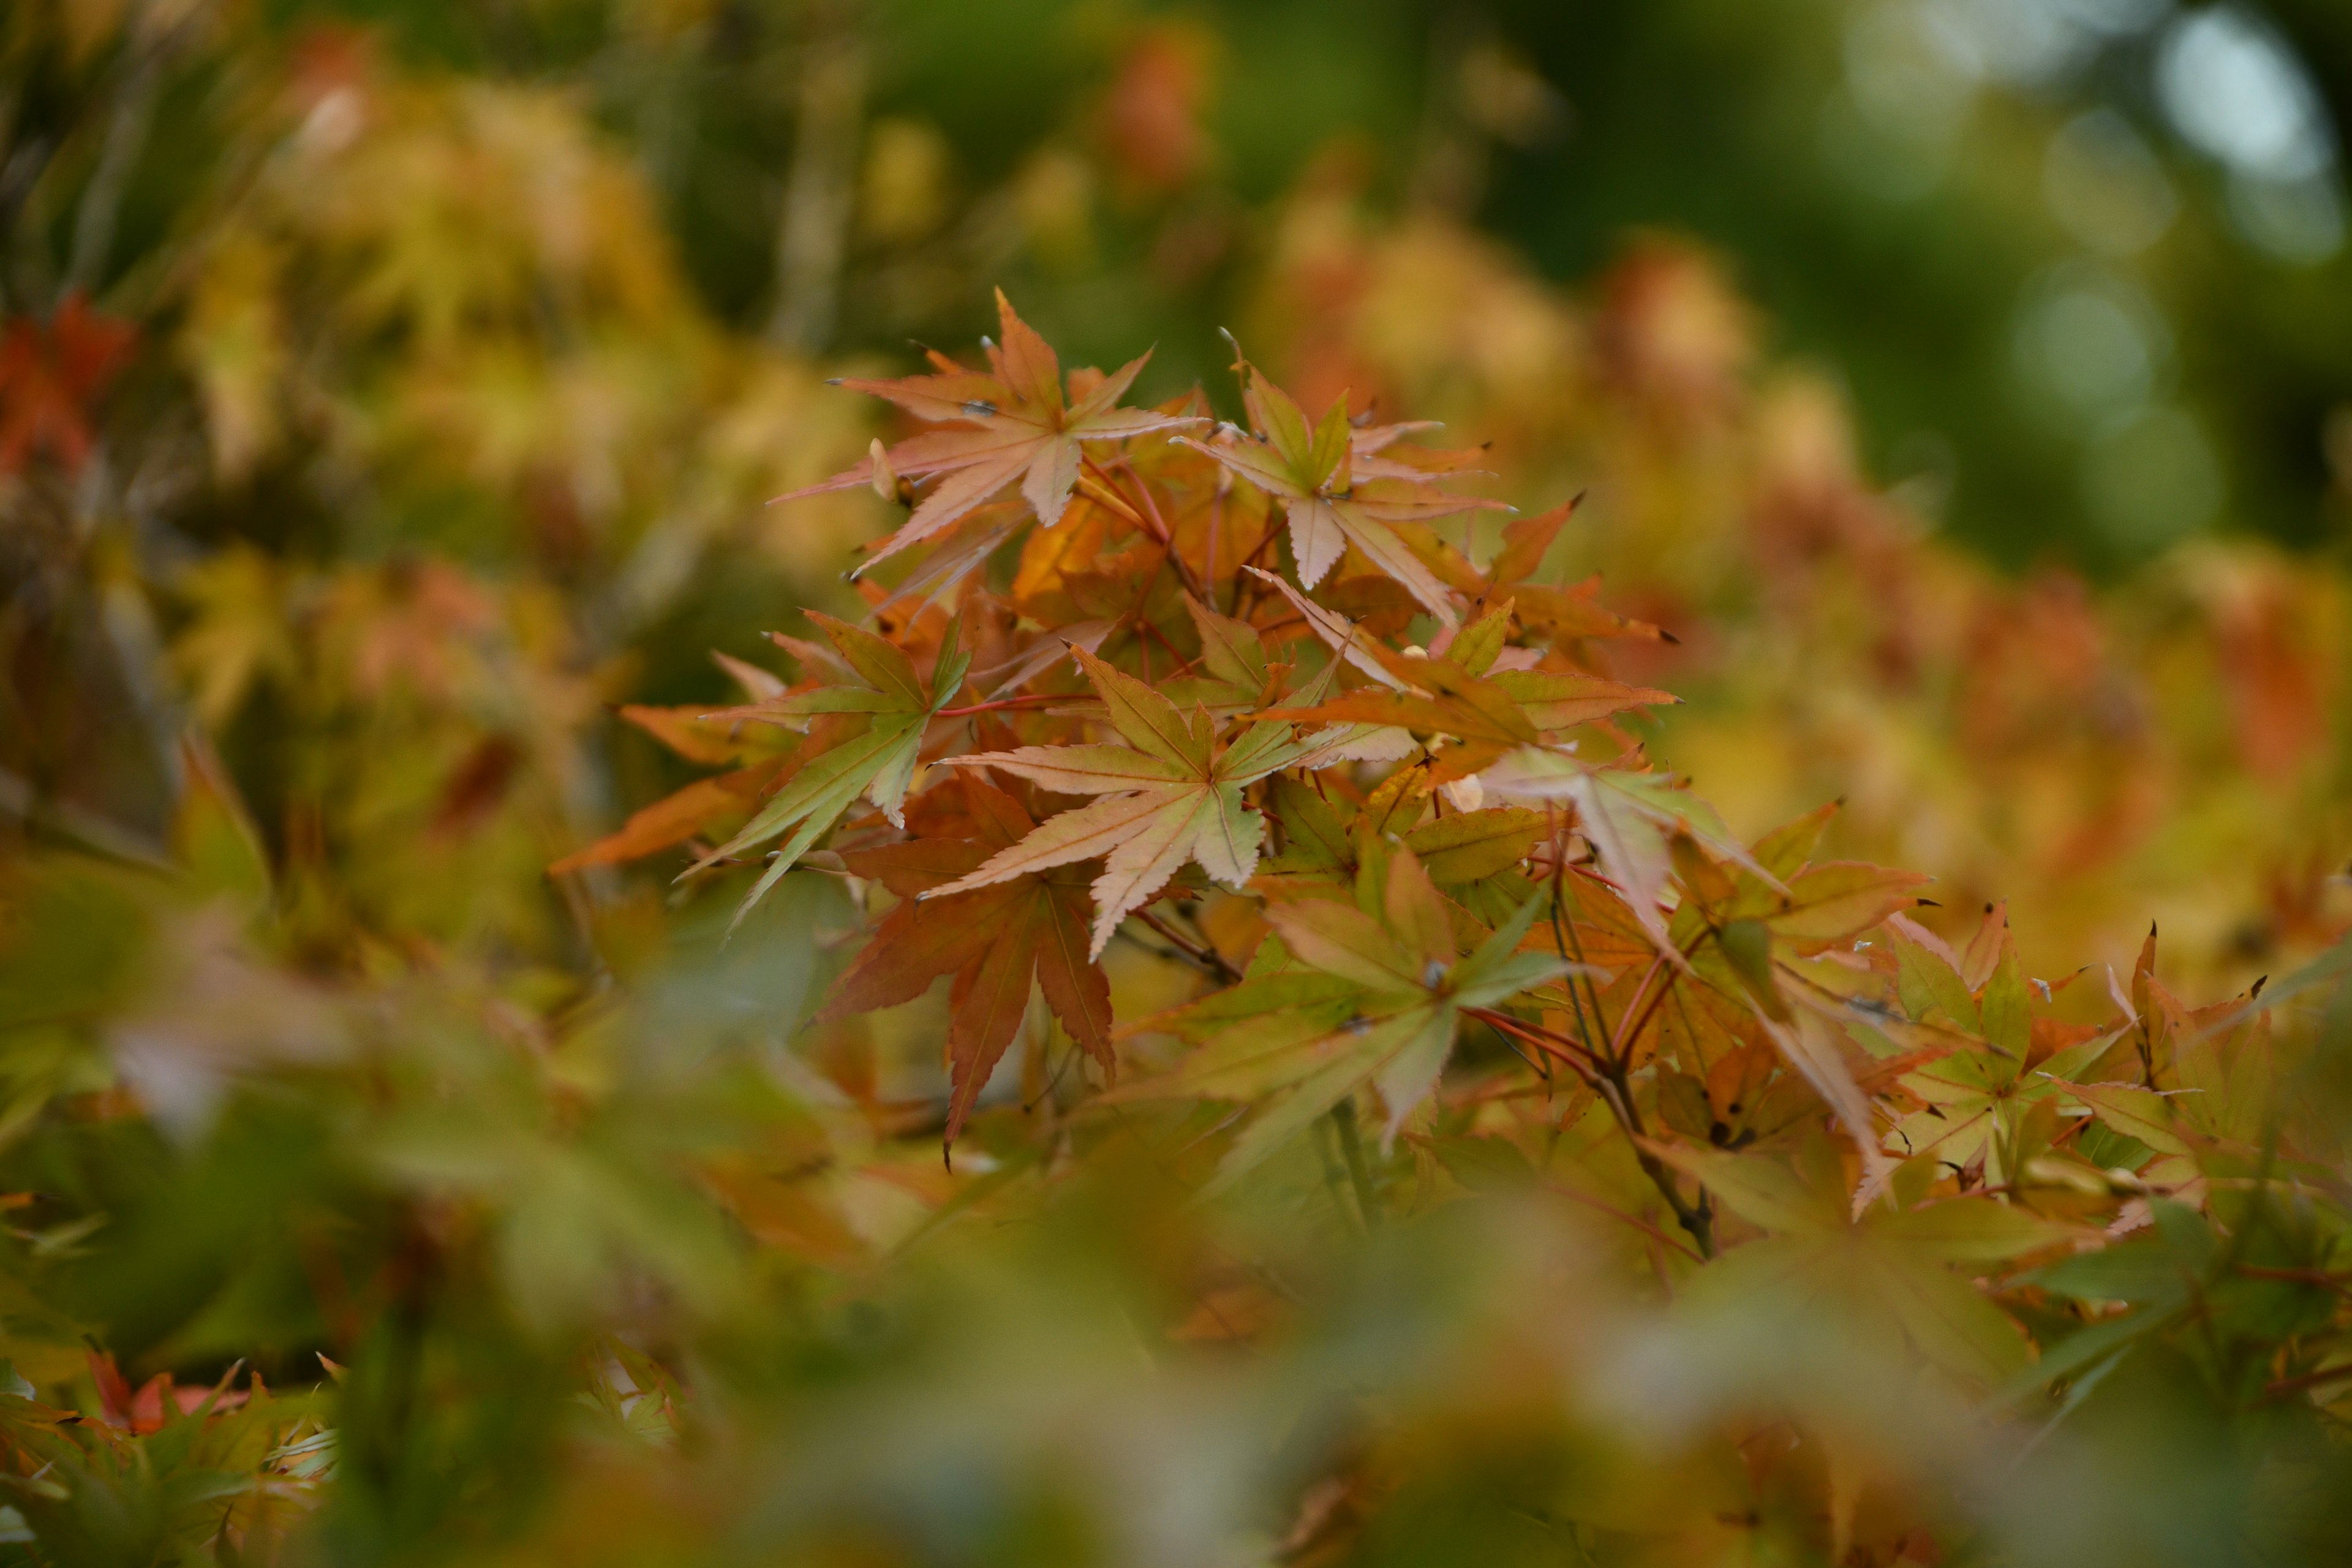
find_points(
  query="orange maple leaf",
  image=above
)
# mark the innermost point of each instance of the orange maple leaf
(1013, 423)
(51, 378)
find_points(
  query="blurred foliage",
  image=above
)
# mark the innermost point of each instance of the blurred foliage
(387, 395)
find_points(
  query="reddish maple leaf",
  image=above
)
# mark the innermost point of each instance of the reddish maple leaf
(157, 1401)
(994, 940)
(51, 378)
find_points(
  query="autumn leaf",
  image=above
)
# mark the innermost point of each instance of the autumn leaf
(696, 809)
(1576, 612)
(881, 715)
(50, 378)
(1880, 1262)
(1835, 901)
(1012, 424)
(1526, 541)
(1470, 846)
(1375, 1000)
(1172, 794)
(2135, 1112)
(1969, 1102)
(994, 940)
(1358, 650)
(1323, 848)
(1432, 698)
(1333, 497)
(698, 738)
(710, 803)
(1479, 719)
(1624, 817)
(1561, 613)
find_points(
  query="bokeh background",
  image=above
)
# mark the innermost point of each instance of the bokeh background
(389, 389)
(1969, 382)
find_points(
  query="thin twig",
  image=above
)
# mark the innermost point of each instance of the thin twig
(1104, 489)
(1610, 1078)
(1207, 958)
(1543, 1039)
(2309, 1380)
(2334, 1278)
(1002, 704)
(1636, 1221)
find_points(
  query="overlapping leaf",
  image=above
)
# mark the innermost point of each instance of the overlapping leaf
(1373, 999)
(869, 749)
(1880, 1265)
(1478, 718)
(994, 940)
(1172, 794)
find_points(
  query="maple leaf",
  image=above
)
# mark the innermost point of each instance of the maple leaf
(1172, 794)
(707, 804)
(1373, 995)
(159, 1400)
(1871, 1264)
(1465, 847)
(991, 938)
(1360, 650)
(1012, 424)
(1731, 917)
(1971, 1099)
(698, 808)
(1526, 541)
(1232, 675)
(1627, 817)
(1333, 496)
(1721, 941)
(1462, 690)
(1233, 672)
(50, 378)
(1451, 697)
(869, 749)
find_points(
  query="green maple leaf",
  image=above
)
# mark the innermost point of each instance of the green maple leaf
(1888, 1267)
(1373, 995)
(1972, 1100)
(883, 711)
